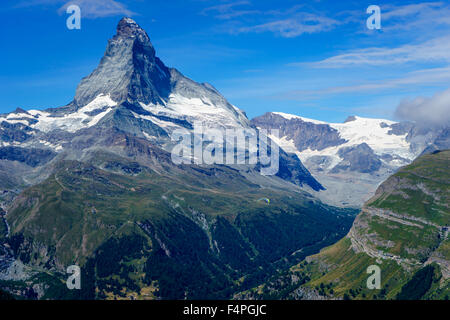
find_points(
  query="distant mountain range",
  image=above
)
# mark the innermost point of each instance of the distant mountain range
(351, 159)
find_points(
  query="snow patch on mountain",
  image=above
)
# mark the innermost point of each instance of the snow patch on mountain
(84, 117)
(288, 116)
(194, 109)
(56, 147)
(161, 123)
(286, 144)
(375, 133)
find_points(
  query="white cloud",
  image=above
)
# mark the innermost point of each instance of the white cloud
(295, 26)
(99, 8)
(89, 8)
(289, 23)
(413, 33)
(427, 111)
(416, 16)
(411, 9)
(228, 10)
(435, 50)
(420, 77)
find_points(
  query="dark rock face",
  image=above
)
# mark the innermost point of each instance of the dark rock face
(123, 119)
(350, 119)
(10, 132)
(31, 157)
(128, 28)
(442, 142)
(292, 169)
(20, 110)
(304, 134)
(360, 158)
(401, 128)
(423, 137)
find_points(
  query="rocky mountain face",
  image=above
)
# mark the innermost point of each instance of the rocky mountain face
(93, 183)
(129, 70)
(403, 229)
(441, 142)
(351, 159)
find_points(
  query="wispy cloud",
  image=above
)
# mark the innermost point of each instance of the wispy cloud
(229, 10)
(99, 8)
(288, 23)
(295, 26)
(435, 50)
(415, 16)
(89, 8)
(413, 33)
(419, 77)
(32, 3)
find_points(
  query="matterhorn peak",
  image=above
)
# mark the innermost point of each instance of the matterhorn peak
(129, 70)
(131, 76)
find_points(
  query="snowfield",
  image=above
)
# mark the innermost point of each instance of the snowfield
(373, 132)
(197, 109)
(71, 122)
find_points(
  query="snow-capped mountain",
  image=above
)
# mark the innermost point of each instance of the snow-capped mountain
(352, 158)
(130, 73)
(131, 92)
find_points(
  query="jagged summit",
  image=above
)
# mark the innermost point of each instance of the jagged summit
(127, 27)
(350, 119)
(129, 70)
(20, 110)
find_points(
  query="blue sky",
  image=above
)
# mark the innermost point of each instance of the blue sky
(312, 58)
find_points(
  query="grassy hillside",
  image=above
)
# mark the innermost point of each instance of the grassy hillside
(136, 232)
(403, 229)
(420, 190)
